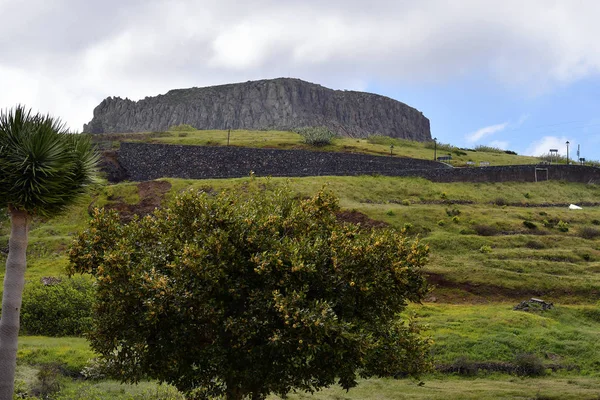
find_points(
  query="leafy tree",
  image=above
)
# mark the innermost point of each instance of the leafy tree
(43, 169)
(243, 295)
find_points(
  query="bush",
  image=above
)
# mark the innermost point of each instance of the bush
(535, 244)
(247, 293)
(488, 149)
(485, 249)
(316, 136)
(500, 201)
(589, 232)
(48, 382)
(452, 212)
(182, 127)
(485, 230)
(455, 219)
(441, 222)
(562, 226)
(529, 225)
(406, 202)
(528, 365)
(596, 221)
(465, 367)
(383, 140)
(60, 308)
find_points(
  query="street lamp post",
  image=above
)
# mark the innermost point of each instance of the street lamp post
(567, 152)
(434, 149)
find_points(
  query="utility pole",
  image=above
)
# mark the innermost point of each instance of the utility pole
(567, 152)
(434, 149)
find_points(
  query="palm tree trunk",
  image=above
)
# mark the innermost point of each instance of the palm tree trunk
(14, 281)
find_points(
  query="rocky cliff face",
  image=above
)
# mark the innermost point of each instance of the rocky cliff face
(281, 104)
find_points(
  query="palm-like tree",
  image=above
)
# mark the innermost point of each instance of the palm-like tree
(43, 170)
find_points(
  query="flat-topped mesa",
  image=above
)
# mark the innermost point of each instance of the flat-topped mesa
(278, 104)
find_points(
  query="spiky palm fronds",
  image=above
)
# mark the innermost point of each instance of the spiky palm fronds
(43, 167)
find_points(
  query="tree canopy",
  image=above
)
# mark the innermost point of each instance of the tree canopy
(246, 294)
(43, 167)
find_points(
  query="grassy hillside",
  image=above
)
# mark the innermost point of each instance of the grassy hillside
(376, 145)
(492, 246)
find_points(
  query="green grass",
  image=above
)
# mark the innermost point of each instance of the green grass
(564, 336)
(71, 353)
(291, 140)
(469, 313)
(558, 264)
(464, 389)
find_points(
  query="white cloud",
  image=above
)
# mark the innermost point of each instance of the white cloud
(543, 146)
(485, 131)
(134, 48)
(501, 144)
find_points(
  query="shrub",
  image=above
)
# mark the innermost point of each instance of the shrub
(488, 149)
(596, 221)
(61, 308)
(589, 232)
(529, 225)
(441, 147)
(527, 195)
(406, 202)
(562, 226)
(535, 244)
(391, 213)
(452, 212)
(316, 136)
(48, 382)
(456, 219)
(246, 293)
(500, 201)
(441, 222)
(182, 127)
(465, 367)
(485, 249)
(383, 140)
(485, 230)
(528, 365)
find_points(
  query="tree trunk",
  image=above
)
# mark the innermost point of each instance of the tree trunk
(14, 281)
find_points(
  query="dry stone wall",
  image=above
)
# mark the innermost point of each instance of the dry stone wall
(141, 162)
(151, 161)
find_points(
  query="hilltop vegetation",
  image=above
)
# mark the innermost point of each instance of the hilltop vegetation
(492, 246)
(374, 145)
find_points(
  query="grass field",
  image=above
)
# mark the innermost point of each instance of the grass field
(290, 140)
(492, 246)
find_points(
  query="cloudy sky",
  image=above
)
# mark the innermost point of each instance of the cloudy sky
(522, 75)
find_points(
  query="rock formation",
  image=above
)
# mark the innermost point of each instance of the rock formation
(281, 104)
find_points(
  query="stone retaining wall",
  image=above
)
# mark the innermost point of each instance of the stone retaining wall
(151, 161)
(141, 162)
